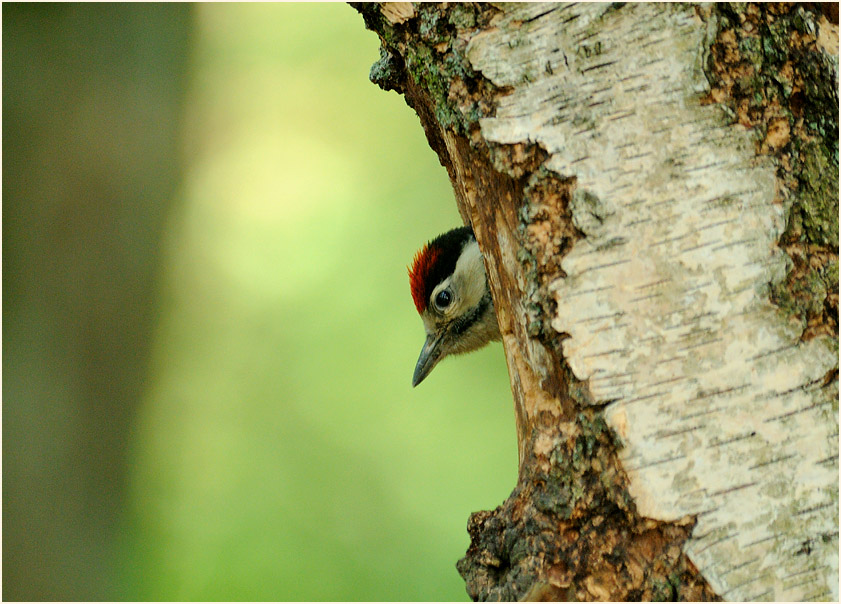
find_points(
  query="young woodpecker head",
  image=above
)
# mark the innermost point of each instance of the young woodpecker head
(451, 293)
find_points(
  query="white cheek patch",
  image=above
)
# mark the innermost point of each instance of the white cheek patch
(469, 276)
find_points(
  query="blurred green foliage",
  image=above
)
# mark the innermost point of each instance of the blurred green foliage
(92, 130)
(279, 451)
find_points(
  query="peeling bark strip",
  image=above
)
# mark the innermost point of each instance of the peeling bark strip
(615, 200)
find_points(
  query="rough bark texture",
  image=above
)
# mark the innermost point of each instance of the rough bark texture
(654, 188)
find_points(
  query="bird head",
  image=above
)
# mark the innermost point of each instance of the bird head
(451, 294)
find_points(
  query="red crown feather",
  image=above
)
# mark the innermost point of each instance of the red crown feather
(419, 274)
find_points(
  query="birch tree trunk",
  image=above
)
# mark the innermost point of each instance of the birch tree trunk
(654, 189)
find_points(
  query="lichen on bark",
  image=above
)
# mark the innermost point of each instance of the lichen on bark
(434, 58)
(569, 531)
(767, 67)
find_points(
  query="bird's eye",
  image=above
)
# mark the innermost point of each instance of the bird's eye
(443, 299)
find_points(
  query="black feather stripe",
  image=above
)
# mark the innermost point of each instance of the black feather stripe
(464, 322)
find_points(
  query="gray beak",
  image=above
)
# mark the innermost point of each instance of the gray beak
(429, 357)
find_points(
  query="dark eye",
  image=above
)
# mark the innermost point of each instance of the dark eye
(443, 299)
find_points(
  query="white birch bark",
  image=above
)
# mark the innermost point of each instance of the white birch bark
(720, 407)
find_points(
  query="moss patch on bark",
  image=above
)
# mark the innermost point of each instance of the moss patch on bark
(766, 66)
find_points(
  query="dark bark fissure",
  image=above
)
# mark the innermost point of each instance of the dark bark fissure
(766, 67)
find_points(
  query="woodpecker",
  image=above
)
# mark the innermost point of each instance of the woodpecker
(450, 291)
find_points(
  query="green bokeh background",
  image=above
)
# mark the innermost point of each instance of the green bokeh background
(245, 429)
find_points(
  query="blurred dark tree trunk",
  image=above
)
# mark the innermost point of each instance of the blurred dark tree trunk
(654, 188)
(92, 103)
